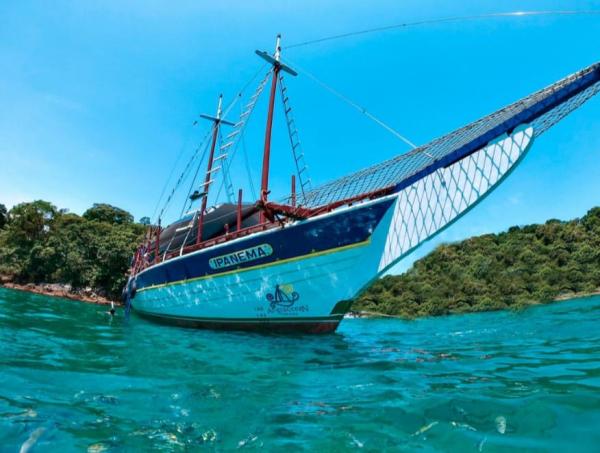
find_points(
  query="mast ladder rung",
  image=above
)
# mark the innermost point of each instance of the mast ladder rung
(226, 145)
(214, 169)
(221, 156)
(233, 134)
(299, 158)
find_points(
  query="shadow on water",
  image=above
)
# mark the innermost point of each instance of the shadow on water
(76, 379)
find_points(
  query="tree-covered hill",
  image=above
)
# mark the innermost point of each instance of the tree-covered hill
(525, 265)
(40, 243)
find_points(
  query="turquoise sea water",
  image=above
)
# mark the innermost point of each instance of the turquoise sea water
(72, 379)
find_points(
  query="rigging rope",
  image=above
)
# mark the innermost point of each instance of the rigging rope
(355, 105)
(243, 123)
(226, 164)
(179, 156)
(241, 91)
(202, 145)
(187, 197)
(183, 175)
(248, 167)
(226, 175)
(443, 20)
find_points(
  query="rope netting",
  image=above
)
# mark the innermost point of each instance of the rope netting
(541, 110)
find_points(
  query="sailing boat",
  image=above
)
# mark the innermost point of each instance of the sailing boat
(297, 264)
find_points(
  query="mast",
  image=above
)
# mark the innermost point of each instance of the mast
(275, 61)
(217, 120)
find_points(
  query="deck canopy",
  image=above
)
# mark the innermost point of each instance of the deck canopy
(182, 233)
(540, 110)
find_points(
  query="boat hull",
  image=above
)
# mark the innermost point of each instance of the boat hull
(307, 325)
(301, 278)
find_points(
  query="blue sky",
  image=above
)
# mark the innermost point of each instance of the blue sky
(98, 98)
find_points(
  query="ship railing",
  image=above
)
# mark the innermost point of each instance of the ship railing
(152, 258)
(290, 211)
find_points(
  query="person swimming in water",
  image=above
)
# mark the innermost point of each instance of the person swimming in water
(111, 312)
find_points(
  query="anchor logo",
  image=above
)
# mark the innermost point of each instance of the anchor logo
(283, 296)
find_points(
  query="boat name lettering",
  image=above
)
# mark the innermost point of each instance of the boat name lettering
(241, 256)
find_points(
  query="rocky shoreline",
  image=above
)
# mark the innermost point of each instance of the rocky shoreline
(560, 298)
(569, 296)
(87, 295)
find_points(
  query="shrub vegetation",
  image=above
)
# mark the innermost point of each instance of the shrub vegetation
(39, 243)
(524, 265)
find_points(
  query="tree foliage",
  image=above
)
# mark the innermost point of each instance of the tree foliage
(529, 264)
(103, 212)
(525, 265)
(43, 244)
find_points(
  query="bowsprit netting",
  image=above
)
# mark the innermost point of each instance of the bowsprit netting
(431, 203)
(540, 110)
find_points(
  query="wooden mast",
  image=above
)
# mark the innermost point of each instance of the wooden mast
(277, 67)
(217, 120)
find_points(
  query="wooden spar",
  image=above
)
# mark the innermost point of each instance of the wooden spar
(157, 245)
(264, 186)
(293, 200)
(147, 245)
(277, 66)
(211, 157)
(239, 211)
(304, 213)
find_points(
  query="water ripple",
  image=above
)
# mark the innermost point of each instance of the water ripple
(74, 379)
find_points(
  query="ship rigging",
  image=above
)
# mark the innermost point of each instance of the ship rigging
(297, 264)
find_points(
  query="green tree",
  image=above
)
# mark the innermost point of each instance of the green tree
(43, 244)
(29, 222)
(527, 264)
(103, 212)
(28, 225)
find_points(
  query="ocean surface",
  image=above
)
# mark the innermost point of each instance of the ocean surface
(74, 379)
